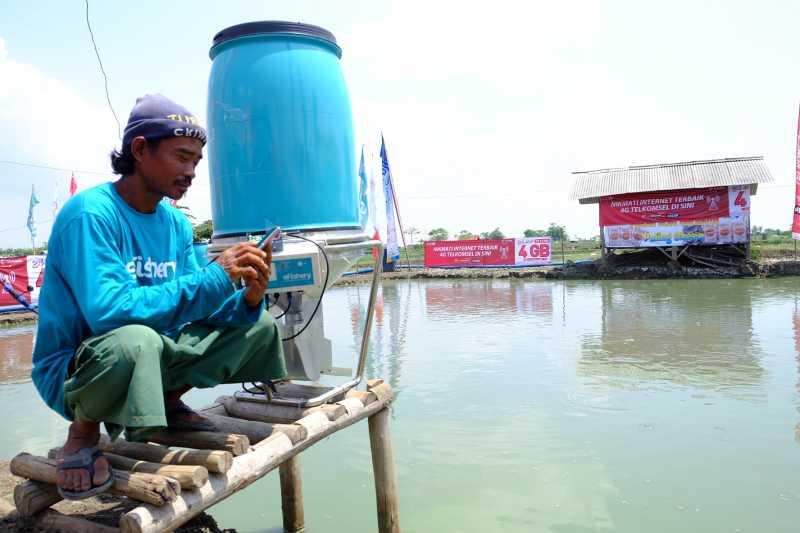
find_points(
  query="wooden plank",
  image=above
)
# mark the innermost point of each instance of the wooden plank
(273, 413)
(189, 477)
(366, 397)
(264, 457)
(383, 469)
(149, 488)
(202, 440)
(254, 430)
(32, 497)
(291, 495)
(52, 520)
(214, 461)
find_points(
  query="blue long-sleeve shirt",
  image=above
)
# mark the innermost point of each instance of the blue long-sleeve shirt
(108, 266)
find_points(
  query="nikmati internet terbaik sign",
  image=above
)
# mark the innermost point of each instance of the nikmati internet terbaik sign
(529, 251)
(706, 216)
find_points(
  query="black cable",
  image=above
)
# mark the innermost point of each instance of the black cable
(48, 167)
(324, 285)
(105, 78)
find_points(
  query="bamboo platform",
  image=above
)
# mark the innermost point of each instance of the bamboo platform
(172, 486)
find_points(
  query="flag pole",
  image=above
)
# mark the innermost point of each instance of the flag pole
(397, 209)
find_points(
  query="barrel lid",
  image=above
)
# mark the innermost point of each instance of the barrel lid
(272, 26)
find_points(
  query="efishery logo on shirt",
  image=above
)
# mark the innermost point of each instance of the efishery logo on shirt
(138, 268)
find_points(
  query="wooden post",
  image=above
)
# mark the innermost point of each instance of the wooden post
(602, 243)
(383, 468)
(291, 495)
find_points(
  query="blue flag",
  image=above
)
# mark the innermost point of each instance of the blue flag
(392, 247)
(31, 217)
(363, 207)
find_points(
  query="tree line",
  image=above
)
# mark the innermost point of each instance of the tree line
(554, 231)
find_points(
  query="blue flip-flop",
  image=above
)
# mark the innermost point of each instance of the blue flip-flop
(84, 459)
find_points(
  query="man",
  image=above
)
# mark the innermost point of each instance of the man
(128, 322)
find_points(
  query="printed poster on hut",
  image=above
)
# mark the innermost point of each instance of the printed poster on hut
(708, 216)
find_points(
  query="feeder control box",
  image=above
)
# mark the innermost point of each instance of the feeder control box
(295, 268)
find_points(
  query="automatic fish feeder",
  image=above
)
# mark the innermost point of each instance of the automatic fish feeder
(281, 153)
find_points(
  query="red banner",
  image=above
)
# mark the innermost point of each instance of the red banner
(796, 221)
(469, 253)
(13, 271)
(664, 206)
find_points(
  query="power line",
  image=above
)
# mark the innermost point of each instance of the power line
(105, 78)
(48, 167)
(24, 227)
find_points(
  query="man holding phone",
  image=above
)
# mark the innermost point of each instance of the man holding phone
(128, 320)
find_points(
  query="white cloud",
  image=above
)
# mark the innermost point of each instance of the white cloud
(47, 122)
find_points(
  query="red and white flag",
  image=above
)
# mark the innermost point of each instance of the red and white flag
(73, 186)
(796, 221)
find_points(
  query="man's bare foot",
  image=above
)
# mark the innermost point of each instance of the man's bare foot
(82, 435)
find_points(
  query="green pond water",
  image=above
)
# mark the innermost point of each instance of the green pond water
(563, 407)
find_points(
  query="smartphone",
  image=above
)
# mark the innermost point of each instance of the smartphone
(271, 235)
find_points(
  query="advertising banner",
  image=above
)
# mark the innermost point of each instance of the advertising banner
(469, 253)
(35, 275)
(533, 251)
(796, 220)
(717, 215)
(13, 272)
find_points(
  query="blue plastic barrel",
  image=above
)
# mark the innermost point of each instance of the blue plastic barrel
(280, 127)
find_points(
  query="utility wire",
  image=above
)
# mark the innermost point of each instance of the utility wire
(105, 78)
(48, 167)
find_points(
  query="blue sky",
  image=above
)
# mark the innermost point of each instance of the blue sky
(486, 108)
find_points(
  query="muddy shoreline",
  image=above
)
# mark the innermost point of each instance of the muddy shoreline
(594, 270)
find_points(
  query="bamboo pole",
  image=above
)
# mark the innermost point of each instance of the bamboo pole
(291, 495)
(383, 469)
(214, 461)
(263, 458)
(149, 488)
(202, 440)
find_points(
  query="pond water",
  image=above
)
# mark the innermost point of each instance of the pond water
(564, 407)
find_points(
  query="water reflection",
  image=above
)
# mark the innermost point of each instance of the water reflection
(443, 300)
(671, 332)
(16, 347)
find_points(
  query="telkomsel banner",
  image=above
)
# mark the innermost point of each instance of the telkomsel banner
(708, 216)
(14, 275)
(532, 251)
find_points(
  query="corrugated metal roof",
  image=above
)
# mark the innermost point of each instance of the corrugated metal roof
(590, 185)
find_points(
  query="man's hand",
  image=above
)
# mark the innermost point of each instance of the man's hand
(245, 262)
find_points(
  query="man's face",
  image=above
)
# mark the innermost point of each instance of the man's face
(168, 169)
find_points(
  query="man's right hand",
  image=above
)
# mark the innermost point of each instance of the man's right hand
(244, 261)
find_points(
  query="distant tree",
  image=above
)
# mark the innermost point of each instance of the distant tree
(438, 234)
(465, 235)
(557, 232)
(495, 234)
(411, 232)
(535, 233)
(203, 231)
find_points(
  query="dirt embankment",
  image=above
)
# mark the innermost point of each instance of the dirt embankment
(596, 270)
